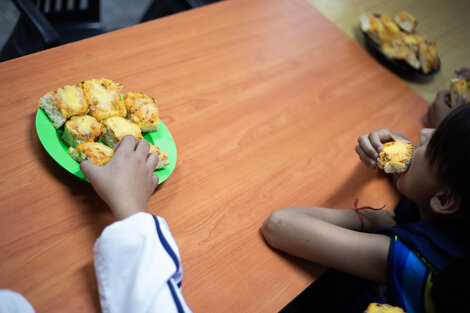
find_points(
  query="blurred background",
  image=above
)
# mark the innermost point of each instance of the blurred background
(446, 22)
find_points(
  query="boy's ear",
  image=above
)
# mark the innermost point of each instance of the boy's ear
(444, 203)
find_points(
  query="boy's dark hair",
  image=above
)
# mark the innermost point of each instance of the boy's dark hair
(449, 154)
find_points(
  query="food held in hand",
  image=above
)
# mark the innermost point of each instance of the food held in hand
(142, 110)
(115, 128)
(63, 103)
(83, 128)
(383, 308)
(395, 157)
(99, 153)
(459, 89)
(162, 156)
(103, 96)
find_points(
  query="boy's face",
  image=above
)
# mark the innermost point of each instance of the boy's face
(419, 183)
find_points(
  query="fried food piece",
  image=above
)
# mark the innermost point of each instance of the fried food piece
(428, 56)
(79, 129)
(459, 88)
(115, 128)
(383, 308)
(63, 103)
(95, 151)
(162, 156)
(104, 98)
(395, 157)
(406, 21)
(142, 110)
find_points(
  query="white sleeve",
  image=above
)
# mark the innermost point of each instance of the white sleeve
(13, 302)
(138, 267)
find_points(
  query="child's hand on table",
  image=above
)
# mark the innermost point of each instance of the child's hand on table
(370, 145)
(127, 181)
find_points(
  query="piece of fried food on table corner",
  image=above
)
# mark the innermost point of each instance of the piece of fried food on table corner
(383, 308)
(142, 110)
(459, 88)
(79, 129)
(395, 157)
(162, 156)
(115, 128)
(63, 103)
(104, 98)
(99, 153)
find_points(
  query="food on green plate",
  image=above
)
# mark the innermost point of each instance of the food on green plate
(95, 111)
(63, 103)
(83, 128)
(103, 96)
(142, 110)
(99, 153)
(115, 128)
(162, 156)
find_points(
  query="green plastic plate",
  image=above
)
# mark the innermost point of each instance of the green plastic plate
(50, 139)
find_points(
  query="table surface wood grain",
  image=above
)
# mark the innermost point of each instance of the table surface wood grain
(265, 101)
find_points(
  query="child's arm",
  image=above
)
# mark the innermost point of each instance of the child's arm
(361, 254)
(127, 181)
(137, 261)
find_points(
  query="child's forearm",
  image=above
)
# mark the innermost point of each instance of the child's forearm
(308, 237)
(371, 219)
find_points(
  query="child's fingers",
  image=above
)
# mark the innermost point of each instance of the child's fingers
(142, 147)
(366, 147)
(155, 179)
(89, 169)
(152, 161)
(126, 144)
(376, 138)
(365, 158)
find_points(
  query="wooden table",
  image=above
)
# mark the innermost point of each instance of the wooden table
(265, 100)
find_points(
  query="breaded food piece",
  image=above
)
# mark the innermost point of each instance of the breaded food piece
(428, 56)
(83, 128)
(406, 21)
(459, 88)
(142, 110)
(115, 128)
(374, 28)
(390, 26)
(162, 156)
(383, 308)
(395, 157)
(63, 103)
(409, 41)
(401, 52)
(95, 151)
(104, 98)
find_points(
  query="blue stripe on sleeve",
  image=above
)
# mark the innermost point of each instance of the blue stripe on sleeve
(179, 306)
(166, 245)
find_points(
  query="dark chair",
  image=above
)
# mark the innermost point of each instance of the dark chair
(45, 24)
(161, 8)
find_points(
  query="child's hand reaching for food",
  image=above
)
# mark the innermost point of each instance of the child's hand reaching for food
(127, 181)
(370, 145)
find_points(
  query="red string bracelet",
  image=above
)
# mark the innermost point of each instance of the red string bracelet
(356, 209)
